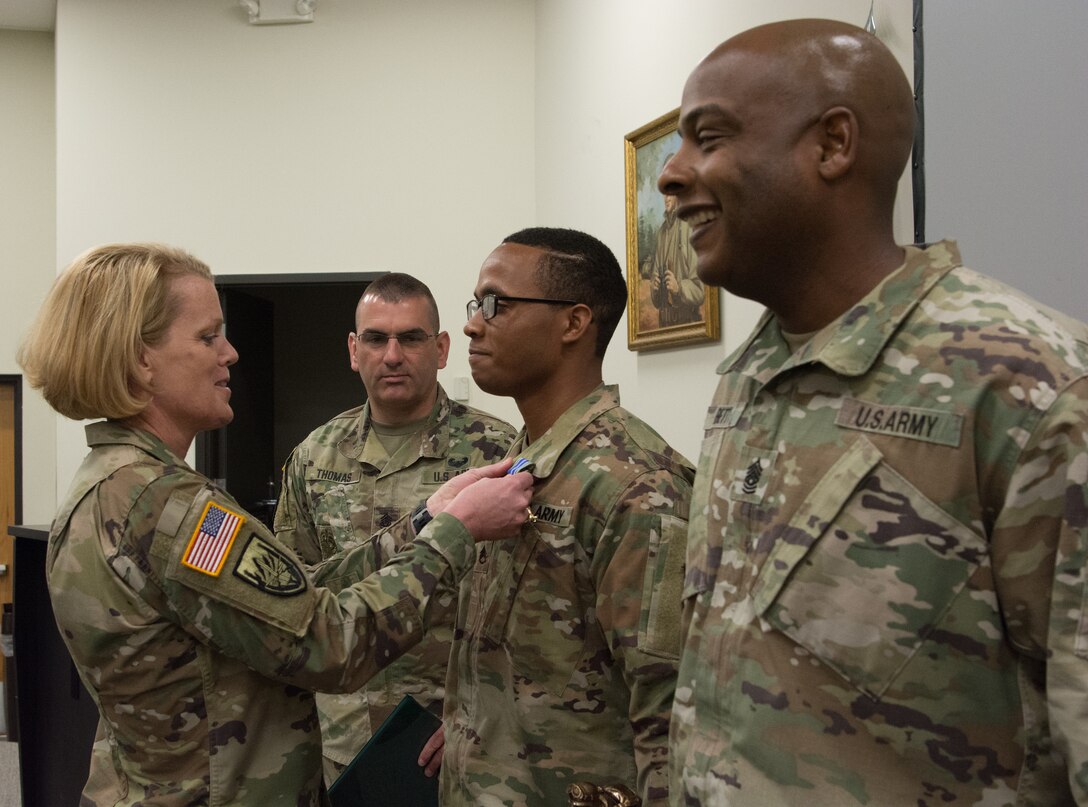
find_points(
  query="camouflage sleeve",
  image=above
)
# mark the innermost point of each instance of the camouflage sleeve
(639, 570)
(232, 584)
(294, 523)
(1043, 579)
(360, 558)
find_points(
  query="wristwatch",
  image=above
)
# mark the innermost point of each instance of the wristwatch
(421, 517)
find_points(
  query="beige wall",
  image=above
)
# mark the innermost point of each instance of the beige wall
(27, 238)
(385, 135)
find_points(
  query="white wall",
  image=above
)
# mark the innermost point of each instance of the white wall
(383, 136)
(1006, 173)
(603, 70)
(27, 255)
(388, 135)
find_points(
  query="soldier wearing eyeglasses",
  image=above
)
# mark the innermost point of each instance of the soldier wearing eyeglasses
(564, 660)
(367, 467)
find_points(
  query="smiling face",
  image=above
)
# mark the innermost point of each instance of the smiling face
(742, 176)
(514, 353)
(188, 372)
(401, 384)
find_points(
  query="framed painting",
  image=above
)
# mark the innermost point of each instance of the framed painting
(667, 304)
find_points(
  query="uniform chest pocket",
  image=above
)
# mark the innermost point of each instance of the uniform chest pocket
(332, 517)
(867, 570)
(539, 608)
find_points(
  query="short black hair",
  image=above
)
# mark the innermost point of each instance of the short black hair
(576, 266)
(396, 286)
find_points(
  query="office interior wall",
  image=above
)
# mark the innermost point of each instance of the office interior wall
(382, 136)
(27, 239)
(1006, 112)
(388, 136)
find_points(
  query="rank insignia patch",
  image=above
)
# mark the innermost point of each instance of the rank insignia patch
(212, 539)
(264, 567)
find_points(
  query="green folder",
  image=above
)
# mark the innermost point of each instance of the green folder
(386, 772)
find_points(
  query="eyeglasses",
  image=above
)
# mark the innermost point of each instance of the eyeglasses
(409, 341)
(489, 305)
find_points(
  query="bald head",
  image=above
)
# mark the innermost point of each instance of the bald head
(814, 65)
(793, 138)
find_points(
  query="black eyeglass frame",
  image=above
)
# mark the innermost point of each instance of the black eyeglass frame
(491, 301)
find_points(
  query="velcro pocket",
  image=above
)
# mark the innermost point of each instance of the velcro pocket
(663, 586)
(867, 570)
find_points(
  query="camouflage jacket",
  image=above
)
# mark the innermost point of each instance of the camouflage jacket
(198, 634)
(334, 497)
(564, 661)
(885, 595)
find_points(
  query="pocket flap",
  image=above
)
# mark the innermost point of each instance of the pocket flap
(812, 518)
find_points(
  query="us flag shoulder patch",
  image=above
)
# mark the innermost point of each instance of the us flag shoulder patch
(212, 539)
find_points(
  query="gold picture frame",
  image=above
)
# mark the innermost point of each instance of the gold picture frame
(661, 311)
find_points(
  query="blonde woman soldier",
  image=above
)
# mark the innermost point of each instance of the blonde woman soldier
(194, 629)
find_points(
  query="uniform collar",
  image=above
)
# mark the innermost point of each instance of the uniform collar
(544, 452)
(849, 345)
(109, 432)
(434, 436)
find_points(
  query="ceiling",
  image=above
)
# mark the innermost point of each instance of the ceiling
(28, 15)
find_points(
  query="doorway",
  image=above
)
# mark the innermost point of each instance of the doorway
(292, 375)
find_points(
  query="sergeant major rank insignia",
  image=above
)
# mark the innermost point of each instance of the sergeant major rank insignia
(212, 539)
(265, 567)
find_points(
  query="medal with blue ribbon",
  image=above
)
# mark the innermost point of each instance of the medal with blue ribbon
(522, 464)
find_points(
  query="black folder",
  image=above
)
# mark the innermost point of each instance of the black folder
(386, 772)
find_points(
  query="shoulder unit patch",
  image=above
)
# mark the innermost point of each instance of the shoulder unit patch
(266, 568)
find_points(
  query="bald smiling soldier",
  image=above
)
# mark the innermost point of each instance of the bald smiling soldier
(885, 591)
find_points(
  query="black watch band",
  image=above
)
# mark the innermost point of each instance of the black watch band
(421, 517)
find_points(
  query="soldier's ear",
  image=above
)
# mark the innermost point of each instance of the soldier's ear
(443, 343)
(144, 370)
(352, 346)
(579, 319)
(837, 131)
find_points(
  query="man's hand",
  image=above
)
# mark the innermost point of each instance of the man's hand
(671, 282)
(430, 758)
(441, 498)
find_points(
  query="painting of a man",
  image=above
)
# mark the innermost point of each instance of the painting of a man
(676, 291)
(668, 303)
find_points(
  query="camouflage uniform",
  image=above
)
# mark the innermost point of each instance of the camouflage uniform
(884, 601)
(334, 495)
(564, 661)
(202, 681)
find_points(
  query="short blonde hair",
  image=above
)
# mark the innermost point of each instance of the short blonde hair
(84, 347)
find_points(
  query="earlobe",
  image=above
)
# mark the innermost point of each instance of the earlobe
(838, 129)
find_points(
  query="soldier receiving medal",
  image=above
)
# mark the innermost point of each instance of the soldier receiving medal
(365, 468)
